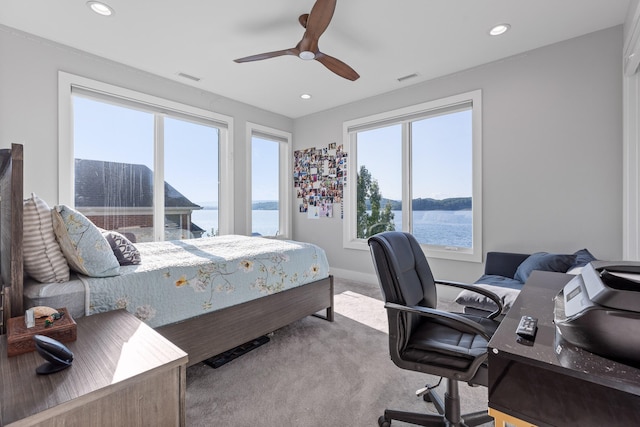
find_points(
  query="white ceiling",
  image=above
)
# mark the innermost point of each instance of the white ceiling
(381, 39)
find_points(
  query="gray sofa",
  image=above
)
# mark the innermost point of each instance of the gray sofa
(506, 272)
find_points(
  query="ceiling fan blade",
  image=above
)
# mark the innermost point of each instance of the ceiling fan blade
(267, 55)
(320, 17)
(337, 66)
(316, 22)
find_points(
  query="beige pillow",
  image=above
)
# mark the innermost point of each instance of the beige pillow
(43, 258)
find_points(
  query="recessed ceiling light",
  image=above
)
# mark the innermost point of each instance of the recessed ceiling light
(305, 96)
(100, 8)
(499, 29)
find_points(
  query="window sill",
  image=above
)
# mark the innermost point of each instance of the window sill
(454, 254)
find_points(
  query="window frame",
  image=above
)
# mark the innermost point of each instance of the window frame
(285, 156)
(66, 192)
(405, 116)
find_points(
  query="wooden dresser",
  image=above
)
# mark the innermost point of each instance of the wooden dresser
(123, 374)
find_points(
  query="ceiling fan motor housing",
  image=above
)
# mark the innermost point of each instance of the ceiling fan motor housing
(307, 55)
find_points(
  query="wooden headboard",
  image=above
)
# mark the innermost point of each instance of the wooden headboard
(11, 199)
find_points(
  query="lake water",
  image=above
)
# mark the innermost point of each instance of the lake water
(264, 222)
(442, 228)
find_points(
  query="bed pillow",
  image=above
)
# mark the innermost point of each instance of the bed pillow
(83, 245)
(543, 261)
(473, 299)
(123, 249)
(583, 257)
(43, 259)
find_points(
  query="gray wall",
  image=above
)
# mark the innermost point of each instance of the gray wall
(29, 104)
(552, 140)
(552, 153)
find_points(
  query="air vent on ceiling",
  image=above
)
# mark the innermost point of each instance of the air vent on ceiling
(407, 77)
(190, 77)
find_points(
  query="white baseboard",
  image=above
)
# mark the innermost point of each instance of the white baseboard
(353, 275)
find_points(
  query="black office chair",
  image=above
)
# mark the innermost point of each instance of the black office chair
(423, 339)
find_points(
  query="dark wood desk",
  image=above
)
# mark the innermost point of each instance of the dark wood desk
(553, 383)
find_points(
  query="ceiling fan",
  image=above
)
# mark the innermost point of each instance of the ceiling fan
(315, 22)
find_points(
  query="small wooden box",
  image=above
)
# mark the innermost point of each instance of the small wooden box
(20, 338)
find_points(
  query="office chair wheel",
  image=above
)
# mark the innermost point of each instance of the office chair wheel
(383, 422)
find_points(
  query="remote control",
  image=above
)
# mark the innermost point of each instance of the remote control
(527, 327)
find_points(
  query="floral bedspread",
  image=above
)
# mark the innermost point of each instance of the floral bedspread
(185, 278)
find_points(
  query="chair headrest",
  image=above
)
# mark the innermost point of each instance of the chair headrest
(403, 271)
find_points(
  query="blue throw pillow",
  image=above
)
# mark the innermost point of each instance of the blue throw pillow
(82, 243)
(543, 261)
(583, 257)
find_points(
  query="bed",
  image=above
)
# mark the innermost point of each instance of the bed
(210, 327)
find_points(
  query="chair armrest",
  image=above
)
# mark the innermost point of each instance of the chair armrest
(473, 288)
(456, 321)
(503, 263)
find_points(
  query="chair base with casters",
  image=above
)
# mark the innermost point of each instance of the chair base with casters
(451, 401)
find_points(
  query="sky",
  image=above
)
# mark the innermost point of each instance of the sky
(441, 153)
(112, 133)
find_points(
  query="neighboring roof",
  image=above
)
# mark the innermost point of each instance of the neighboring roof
(194, 228)
(100, 183)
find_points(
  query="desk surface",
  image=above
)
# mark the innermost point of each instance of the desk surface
(549, 360)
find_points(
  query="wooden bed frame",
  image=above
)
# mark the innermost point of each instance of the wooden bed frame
(201, 337)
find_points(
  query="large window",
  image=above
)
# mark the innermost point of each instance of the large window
(418, 169)
(148, 168)
(270, 181)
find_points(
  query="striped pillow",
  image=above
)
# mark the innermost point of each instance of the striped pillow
(43, 259)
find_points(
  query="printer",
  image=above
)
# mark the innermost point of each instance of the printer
(599, 310)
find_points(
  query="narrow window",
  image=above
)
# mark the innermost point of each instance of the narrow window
(265, 183)
(114, 167)
(191, 176)
(379, 180)
(270, 181)
(441, 180)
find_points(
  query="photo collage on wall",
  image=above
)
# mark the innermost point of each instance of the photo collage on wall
(319, 178)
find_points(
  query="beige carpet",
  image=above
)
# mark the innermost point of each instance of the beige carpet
(316, 373)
